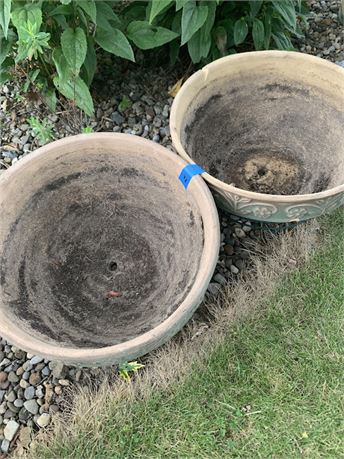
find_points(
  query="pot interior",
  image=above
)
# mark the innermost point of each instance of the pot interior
(99, 247)
(268, 129)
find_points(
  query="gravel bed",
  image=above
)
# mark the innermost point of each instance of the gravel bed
(33, 389)
(325, 35)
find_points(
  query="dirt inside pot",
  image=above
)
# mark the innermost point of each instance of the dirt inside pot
(104, 250)
(273, 138)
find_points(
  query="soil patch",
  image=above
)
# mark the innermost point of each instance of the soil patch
(268, 138)
(96, 257)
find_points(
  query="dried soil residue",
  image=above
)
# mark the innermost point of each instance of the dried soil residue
(264, 137)
(96, 257)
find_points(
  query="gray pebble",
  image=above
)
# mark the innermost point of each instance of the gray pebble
(39, 392)
(24, 414)
(240, 232)
(117, 118)
(11, 396)
(27, 366)
(43, 420)
(9, 154)
(234, 269)
(13, 408)
(12, 377)
(24, 384)
(220, 279)
(10, 430)
(18, 403)
(31, 406)
(45, 371)
(214, 288)
(5, 445)
(36, 359)
(59, 370)
(29, 393)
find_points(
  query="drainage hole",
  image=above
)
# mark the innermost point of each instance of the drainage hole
(261, 171)
(113, 266)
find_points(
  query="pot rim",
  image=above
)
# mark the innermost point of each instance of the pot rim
(176, 113)
(166, 329)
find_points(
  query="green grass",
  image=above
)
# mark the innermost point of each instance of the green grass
(273, 389)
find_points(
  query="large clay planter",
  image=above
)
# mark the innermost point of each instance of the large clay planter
(268, 128)
(103, 254)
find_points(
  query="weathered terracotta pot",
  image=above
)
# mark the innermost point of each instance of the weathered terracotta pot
(103, 254)
(267, 127)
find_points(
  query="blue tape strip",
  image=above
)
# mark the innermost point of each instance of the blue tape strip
(188, 172)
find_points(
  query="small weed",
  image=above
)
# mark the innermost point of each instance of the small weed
(129, 367)
(124, 104)
(86, 130)
(42, 130)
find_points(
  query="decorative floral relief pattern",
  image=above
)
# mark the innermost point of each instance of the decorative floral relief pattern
(280, 212)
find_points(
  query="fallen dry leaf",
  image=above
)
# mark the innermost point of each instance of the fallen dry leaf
(175, 88)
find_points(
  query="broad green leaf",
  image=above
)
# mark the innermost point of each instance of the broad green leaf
(83, 18)
(255, 6)
(4, 76)
(297, 32)
(89, 6)
(240, 31)
(74, 47)
(77, 91)
(174, 51)
(287, 10)
(114, 41)
(176, 23)
(65, 10)
(90, 63)
(50, 99)
(200, 43)
(258, 34)
(180, 4)
(193, 17)
(146, 36)
(106, 17)
(267, 28)
(5, 47)
(5, 15)
(228, 24)
(134, 13)
(157, 6)
(62, 67)
(65, 2)
(61, 21)
(25, 15)
(282, 41)
(220, 35)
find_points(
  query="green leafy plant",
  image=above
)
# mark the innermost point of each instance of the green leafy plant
(124, 104)
(53, 45)
(126, 368)
(211, 29)
(86, 130)
(42, 130)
